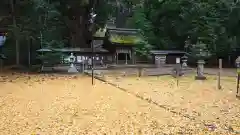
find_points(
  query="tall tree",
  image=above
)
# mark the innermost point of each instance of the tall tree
(168, 23)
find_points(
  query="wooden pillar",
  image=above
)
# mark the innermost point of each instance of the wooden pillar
(133, 57)
(1, 65)
(116, 58)
(29, 52)
(219, 73)
(126, 54)
(113, 59)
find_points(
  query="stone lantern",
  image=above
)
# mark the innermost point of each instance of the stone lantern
(72, 68)
(184, 61)
(201, 53)
(200, 70)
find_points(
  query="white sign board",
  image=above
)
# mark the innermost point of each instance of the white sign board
(160, 60)
(79, 59)
(159, 57)
(2, 40)
(177, 60)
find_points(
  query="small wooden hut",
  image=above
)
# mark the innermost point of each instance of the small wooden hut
(166, 56)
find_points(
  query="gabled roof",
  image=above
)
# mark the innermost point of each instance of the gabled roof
(123, 36)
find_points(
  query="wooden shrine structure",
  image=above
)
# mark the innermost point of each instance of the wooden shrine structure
(110, 46)
(120, 43)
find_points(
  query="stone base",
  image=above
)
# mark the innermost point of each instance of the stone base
(238, 97)
(175, 75)
(72, 70)
(200, 78)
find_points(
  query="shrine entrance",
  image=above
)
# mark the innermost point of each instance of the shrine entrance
(123, 56)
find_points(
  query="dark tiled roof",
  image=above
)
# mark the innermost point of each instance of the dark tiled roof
(81, 50)
(98, 49)
(97, 43)
(44, 50)
(156, 52)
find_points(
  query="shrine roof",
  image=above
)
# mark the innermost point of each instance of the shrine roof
(81, 50)
(44, 50)
(165, 52)
(112, 30)
(123, 31)
(123, 36)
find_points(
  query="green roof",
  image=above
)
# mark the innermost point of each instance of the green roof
(123, 39)
(123, 31)
(123, 36)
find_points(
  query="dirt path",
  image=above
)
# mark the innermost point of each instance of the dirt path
(53, 105)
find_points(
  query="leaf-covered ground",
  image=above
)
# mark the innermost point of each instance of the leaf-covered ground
(61, 104)
(200, 101)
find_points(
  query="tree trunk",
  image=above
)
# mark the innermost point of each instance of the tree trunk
(79, 39)
(29, 52)
(17, 53)
(122, 14)
(121, 17)
(78, 32)
(15, 33)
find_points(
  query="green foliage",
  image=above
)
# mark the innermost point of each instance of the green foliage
(51, 23)
(140, 21)
(166, 24)
(199, 51)
(50, 58)
(49, 29)
(143, 48)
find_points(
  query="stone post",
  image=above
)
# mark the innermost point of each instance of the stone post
(200, 70)
(238, 76)
(1, 64)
